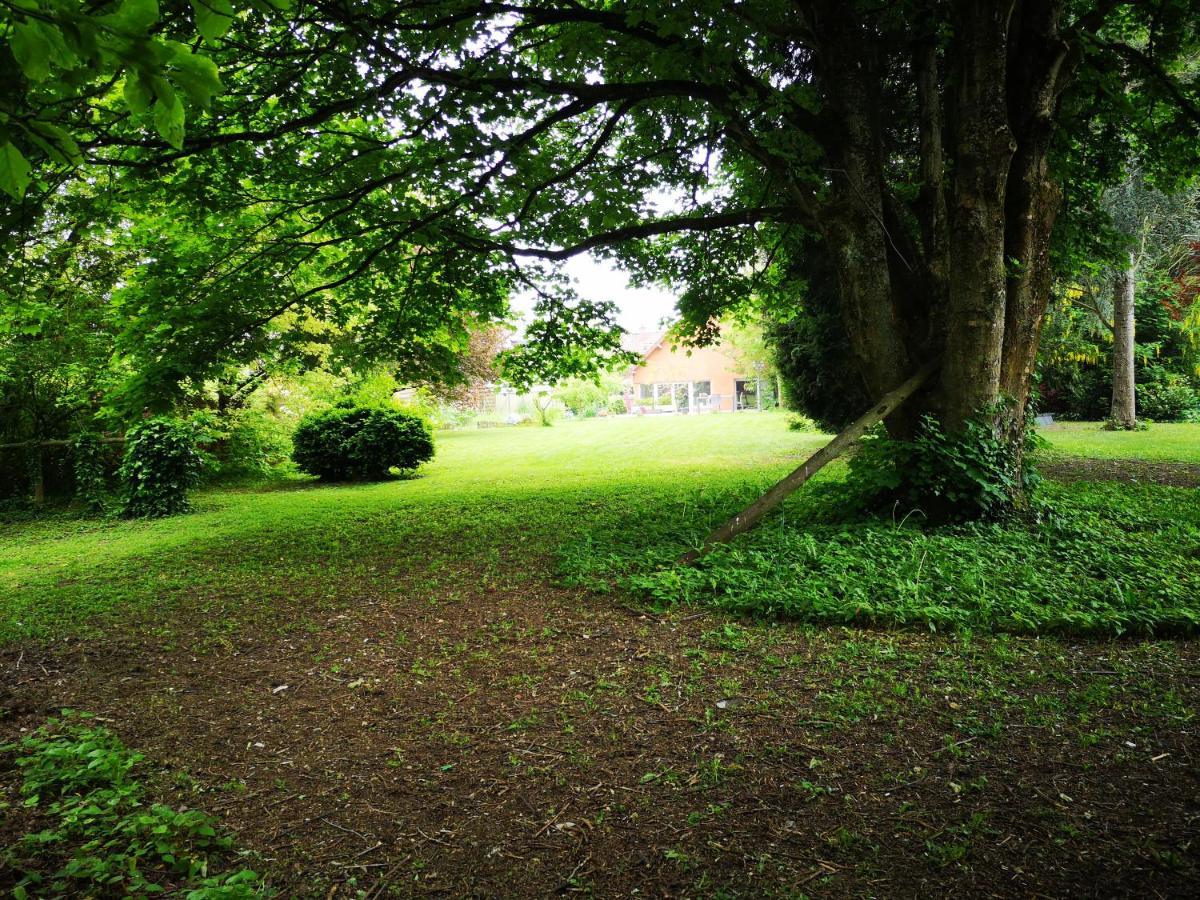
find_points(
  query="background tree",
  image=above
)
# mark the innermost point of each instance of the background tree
(1125, 286)
(477, 371)
(1157, 230)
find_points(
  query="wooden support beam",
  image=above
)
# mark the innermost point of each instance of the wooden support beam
(754, 513)
(58, 442)
(39, 477)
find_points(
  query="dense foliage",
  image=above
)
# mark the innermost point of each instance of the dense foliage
(1075, 366)
(941, 477)
(90, 470)
(62, 59)
(360, 443)
(811, 348)
(161, 464)
(587, 398)
(101, 836)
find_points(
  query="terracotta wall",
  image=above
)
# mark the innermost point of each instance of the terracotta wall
(704, 364)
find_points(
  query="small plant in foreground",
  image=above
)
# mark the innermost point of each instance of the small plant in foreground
(100, 838)
(161, 465)
(349, 443)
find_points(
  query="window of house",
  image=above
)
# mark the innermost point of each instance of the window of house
(702, 387)
(645, 392)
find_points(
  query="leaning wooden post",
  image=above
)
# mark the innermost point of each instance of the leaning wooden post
(753, 514)
(37, 471)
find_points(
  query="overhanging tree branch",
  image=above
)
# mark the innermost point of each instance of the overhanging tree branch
(1187, 105)
(640, 231)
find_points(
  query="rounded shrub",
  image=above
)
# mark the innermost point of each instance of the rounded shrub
(355, 443)
(1168, 398)
(160, 466)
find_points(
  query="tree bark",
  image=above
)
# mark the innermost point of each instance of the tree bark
(932, 204)
(1038, 66)
(1124, 406)
(984, 148)
(853, 226)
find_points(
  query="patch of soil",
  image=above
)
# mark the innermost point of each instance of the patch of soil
(517, 740)
(1128, 471)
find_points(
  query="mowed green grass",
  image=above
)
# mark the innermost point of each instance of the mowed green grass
(1166, 442)
(605, 501)
(473, 471)
(489, 497)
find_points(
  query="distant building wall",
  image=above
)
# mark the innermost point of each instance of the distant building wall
(704, 367)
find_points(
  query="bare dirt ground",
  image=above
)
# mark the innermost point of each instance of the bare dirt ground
(519, 742)
(1129, 471)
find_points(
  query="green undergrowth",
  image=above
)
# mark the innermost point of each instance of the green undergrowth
(96, 834)
(1103, 559)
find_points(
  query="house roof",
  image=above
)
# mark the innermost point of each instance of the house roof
(642, 342)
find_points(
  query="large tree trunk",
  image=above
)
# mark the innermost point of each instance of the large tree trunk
(976, 290)
(984, 148)
(1124, 409)
(1038, 64)
(854, 227)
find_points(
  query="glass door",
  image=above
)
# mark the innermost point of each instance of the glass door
(679, 397)
(747, 393)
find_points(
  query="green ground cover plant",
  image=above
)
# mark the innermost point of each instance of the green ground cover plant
(1103, 559)
(99, 835)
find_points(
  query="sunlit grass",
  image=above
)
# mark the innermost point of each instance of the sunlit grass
(505, 498)
(1166, 442)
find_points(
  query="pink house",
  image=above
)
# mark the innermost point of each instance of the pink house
(679, 379)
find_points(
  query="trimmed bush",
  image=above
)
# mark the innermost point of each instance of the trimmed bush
(349, 443)
(161, 465)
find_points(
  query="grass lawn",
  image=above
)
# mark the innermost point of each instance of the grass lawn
(1163, 442)
(489, 679)
(489, 496)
